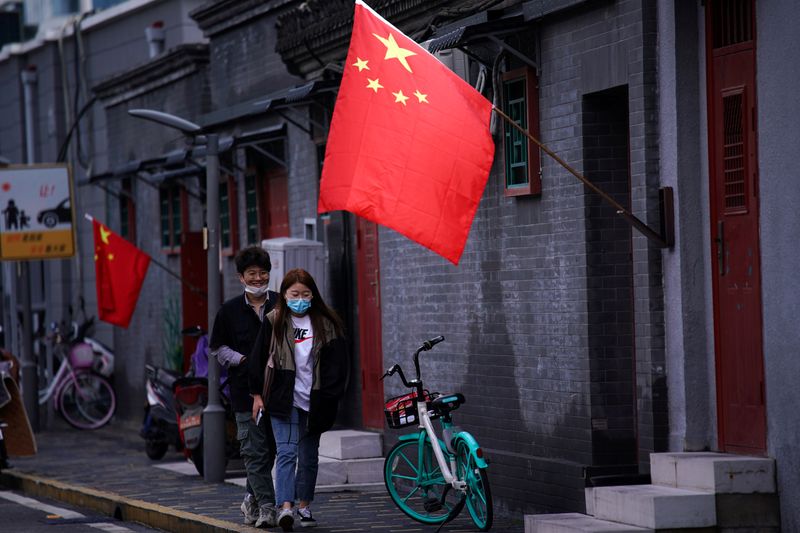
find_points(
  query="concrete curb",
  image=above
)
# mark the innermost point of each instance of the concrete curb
(120, 507)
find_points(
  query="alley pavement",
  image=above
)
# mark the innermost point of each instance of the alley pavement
(106, 470)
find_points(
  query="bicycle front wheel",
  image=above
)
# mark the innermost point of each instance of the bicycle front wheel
(479, 496)
(88, 401)
(416, 484)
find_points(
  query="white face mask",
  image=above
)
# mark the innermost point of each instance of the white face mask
(256, 291)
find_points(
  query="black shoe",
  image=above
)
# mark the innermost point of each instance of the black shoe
(286, 519)
(306, 520)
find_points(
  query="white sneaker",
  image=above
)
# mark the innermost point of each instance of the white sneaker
(249, 509)
(266, 516)
(306, 520)
(286, 519)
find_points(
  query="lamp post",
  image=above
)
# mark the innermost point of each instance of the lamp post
(214, 413)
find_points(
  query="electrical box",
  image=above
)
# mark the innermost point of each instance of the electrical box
(286, 253)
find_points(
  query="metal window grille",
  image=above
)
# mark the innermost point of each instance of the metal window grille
(516, 145)
(224, 216)
(734, 153)
(251, 208)
(732, 22)
(165, 226)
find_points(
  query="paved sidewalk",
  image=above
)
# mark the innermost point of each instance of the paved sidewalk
(107, 470)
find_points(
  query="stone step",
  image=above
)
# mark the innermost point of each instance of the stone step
(654, 506)
(351, 444)
(575, 523)
(717, 472)
(349, 471)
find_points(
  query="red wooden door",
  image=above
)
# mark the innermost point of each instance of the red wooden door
(735, 249)
(194, 268)
(274, 208)
(369, 321)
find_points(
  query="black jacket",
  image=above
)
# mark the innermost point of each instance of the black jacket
(332, 361)
(236, 326)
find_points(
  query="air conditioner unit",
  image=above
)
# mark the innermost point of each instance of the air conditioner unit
(286, 253)
(452, 58)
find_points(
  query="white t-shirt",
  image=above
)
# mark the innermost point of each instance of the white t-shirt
(303, 361)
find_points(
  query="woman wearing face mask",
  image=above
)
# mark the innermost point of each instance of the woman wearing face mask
(298, 373)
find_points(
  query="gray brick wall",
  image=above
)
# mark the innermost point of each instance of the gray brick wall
(610, 273)
(527, 313)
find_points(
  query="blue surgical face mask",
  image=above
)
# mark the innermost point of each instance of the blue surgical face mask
(299, 306)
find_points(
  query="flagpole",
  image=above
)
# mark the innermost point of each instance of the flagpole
(621, 210)
(165, 268)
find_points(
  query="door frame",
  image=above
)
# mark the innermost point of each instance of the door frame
(716, 211)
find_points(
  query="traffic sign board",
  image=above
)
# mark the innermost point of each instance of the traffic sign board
(37, 212)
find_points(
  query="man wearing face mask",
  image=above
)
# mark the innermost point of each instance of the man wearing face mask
(234, 333)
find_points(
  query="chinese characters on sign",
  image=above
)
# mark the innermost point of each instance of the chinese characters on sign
(36, 217)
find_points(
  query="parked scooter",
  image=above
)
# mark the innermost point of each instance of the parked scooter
(160, 426)
(191, 397)
(3, 452)
(161, 416)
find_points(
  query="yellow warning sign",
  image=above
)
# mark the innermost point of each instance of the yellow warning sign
(37, 218)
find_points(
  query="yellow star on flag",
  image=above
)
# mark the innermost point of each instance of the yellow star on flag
(104, 233)
(110, 257)
(374, 84)
(423, 98)
(361, 64)
(393, 50)
(400, 97)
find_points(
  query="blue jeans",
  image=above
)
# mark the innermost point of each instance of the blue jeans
(296, 449)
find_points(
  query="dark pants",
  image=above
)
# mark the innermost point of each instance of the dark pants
(257, 446)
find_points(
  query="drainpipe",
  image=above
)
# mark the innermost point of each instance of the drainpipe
(156, 36)
(30, 371)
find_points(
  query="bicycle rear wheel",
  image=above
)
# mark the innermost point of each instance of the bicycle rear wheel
(416, 484)
(479, 495)
(88, 401)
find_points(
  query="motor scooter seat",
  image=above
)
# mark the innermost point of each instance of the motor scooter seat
(166, 377)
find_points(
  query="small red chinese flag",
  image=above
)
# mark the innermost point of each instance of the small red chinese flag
(120, 268)
(409, 145)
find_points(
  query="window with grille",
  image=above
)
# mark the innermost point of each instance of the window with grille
(734, 167)
(228, 233)
(127, 211)
(251, 208)
(171, 216)
(521, 103)
(732, 22)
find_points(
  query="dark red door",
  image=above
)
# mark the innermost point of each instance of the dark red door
(369, 322)
(194, 301)
(274, 210)
(735, 242)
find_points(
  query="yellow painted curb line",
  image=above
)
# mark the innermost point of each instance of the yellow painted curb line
(121, 507)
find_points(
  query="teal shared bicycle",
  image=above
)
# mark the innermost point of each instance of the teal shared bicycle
(432, 483)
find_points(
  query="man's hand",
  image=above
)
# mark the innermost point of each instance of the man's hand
(258, 405)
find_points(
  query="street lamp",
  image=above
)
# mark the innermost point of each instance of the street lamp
(213, 414)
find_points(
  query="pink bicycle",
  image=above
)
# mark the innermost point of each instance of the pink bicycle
(84, 398)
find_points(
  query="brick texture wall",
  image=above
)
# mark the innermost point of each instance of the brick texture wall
(539, 315)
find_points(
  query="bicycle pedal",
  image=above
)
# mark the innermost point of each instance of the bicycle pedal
(432, 505)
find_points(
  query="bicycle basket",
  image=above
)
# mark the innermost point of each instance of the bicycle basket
(401, 411)
(81, 356)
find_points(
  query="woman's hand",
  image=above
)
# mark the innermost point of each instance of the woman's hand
(258, 405)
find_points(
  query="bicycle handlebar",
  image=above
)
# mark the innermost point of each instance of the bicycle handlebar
(397, 369)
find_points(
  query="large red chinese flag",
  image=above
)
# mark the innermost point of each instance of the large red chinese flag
(120, 268)
(409, 145)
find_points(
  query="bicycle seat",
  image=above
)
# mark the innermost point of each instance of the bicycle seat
(445, 403)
